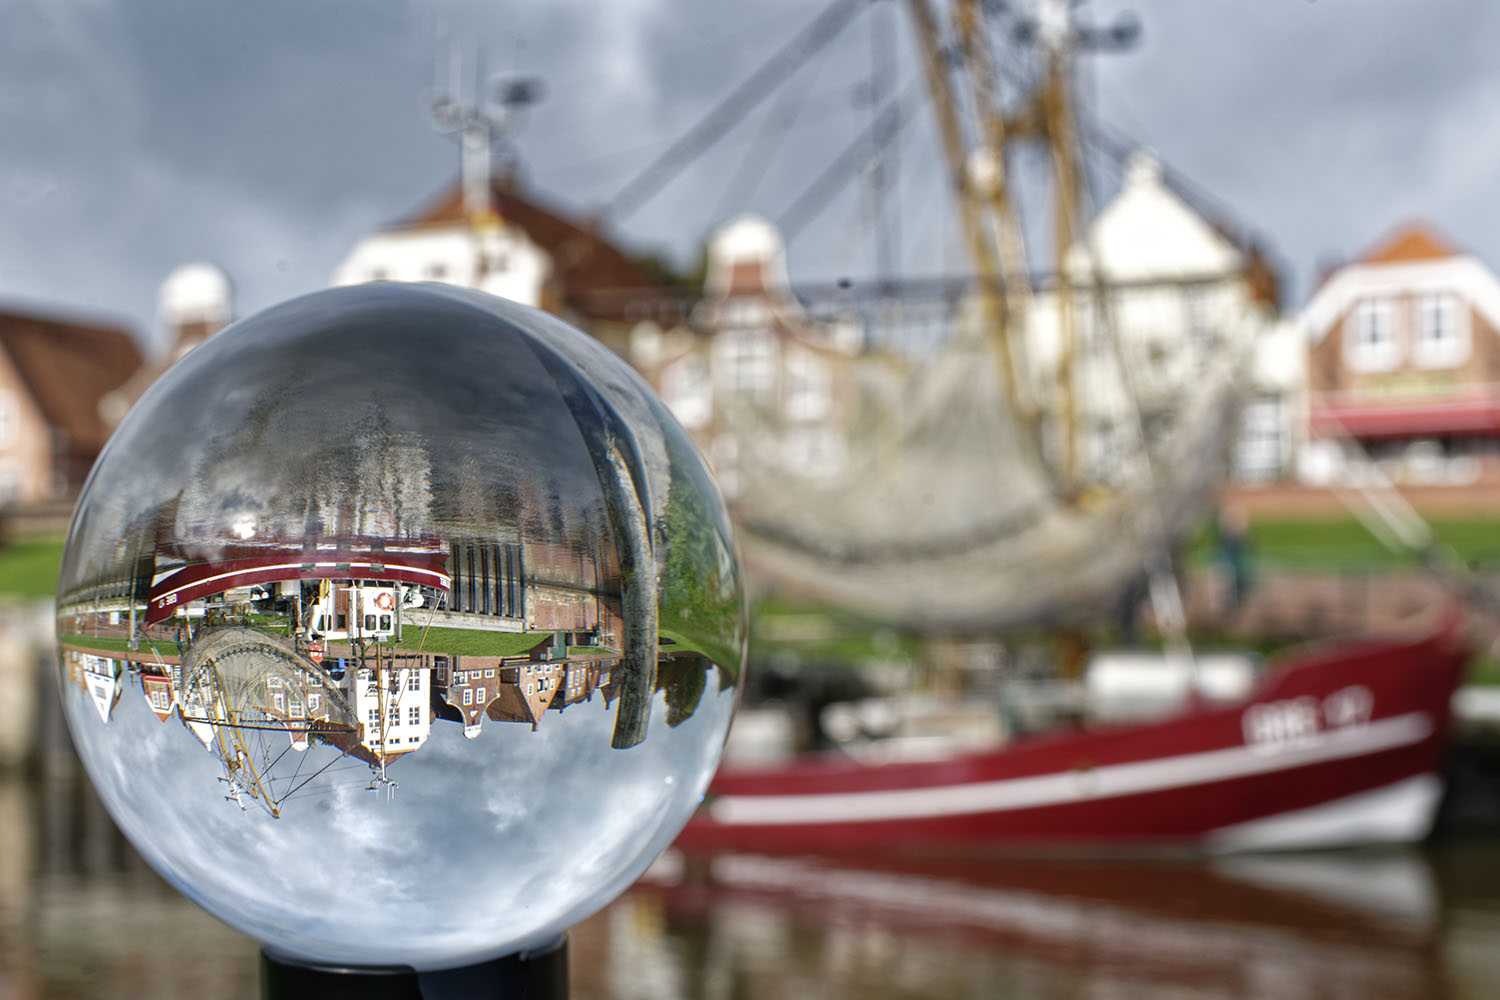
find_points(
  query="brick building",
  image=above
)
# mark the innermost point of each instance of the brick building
(53, 375)
(1403, 357)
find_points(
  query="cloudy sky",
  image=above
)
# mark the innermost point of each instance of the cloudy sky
(269, 137)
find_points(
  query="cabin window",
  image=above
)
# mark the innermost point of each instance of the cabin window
(341, 621)
(385, 623)
(1442, 337)
(369, 623)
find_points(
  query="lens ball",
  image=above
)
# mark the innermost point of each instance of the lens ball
(400, 625)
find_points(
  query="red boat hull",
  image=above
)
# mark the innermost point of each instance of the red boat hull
(1338, 746)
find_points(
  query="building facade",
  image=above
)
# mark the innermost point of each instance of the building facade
(1184, 297)
(518, 249)
(53, 375)
(1403, 359)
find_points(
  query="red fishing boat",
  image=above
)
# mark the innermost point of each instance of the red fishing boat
(1341, 744)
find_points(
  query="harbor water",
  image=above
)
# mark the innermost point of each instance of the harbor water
(82, 917)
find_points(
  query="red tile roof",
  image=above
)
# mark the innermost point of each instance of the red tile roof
(583, 261)
(68, 366)
(1412, 241)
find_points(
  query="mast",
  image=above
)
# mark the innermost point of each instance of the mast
(987, 203)
(989, 278)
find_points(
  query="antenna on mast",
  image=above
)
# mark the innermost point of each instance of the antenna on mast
(482, 119)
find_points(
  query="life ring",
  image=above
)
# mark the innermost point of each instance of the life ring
(383, 601)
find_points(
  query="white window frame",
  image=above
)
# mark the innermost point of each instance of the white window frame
(1363, 353)
(1452, 350)
(809, 387)
(746, 360)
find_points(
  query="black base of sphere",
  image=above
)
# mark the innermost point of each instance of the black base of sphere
(541, 974)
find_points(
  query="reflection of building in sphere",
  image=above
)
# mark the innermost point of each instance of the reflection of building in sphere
(341, 537)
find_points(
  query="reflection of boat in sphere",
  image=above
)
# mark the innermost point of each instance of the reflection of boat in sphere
(252, 698)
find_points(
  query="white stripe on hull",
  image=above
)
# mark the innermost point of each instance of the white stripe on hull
(1399, 813)
(1061, 788)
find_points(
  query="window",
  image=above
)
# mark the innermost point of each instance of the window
(1260, 452)
(1442, 333)
(809, 387)
(385, 623)
(686, 390)
(394, 715)
(297, 711)
(10, 418)
(489, 673)
(414, 715)
(1370, 337)
(479, 698)
(414, 680)
(314, 701)
(468, 696)
(1197, 303)
(372, 716)
(369, 623)
(745, 361)
(279, 700)
(274, 681)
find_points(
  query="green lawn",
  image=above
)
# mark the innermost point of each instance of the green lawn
(819, 634)
(29, 568)
(100, 642)
(472, 642)
(1345, 543)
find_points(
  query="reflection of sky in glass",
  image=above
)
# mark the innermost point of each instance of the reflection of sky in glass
(412, 416)
(488, 845)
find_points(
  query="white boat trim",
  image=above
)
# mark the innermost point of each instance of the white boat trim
(1398, 813)
(1109, 781)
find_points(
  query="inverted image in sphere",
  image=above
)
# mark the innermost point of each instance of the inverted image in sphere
(400, 625)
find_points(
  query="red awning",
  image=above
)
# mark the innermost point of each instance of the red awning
(1469, 416)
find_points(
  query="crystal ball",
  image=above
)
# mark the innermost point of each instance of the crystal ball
(400, 625)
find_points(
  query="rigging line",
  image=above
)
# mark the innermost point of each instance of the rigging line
(817, 108)
(312, 776)
(892, 119)
(730, 111)
(753, 169)
(284, 752)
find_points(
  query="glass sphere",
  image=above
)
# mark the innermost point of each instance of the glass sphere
(400, 625)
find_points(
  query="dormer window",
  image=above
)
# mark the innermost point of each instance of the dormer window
(1370, 337)
(1442, 336)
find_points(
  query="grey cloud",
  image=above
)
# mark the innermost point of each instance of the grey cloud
(269, 137)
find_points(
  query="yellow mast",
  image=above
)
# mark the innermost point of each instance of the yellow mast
(990, 281)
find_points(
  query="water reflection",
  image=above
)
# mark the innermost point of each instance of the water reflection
(748, 926)
(81, 917)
